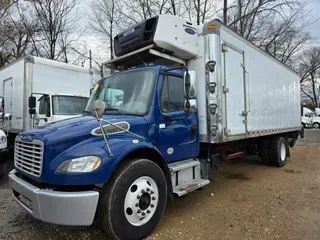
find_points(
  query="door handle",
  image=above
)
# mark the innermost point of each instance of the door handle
(243, 114)
(193, 132)
(168, 118)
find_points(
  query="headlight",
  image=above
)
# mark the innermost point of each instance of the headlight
(3, 139)
(80, 165)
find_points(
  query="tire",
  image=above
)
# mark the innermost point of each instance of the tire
(138, 187)
(278, 152)
(264, 151)
(316, 125)
(3, 168)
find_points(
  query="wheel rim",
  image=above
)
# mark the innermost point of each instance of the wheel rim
(283, 152)
(316, 125)
(141, 201)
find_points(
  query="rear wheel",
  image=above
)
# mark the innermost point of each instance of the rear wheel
(132, 203)
(278, 152)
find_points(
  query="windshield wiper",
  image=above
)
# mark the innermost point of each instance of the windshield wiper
(114, 109)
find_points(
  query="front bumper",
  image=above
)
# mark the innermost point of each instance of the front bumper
(63, 208)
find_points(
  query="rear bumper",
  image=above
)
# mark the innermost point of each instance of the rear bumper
(63, 208)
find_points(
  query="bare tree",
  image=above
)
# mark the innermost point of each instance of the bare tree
(276, 26)
(16, 33)
(309, 70)
(5, 6)
(57, 20)
(105, 15)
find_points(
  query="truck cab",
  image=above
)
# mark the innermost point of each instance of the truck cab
(49, 108)
(310, 118)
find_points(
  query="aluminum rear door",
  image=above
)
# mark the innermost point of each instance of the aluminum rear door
(234, 91)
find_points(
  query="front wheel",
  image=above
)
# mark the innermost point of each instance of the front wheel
(132, 203)
(316, 125)
(3, 167)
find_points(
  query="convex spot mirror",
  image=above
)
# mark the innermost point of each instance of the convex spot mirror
(98, 108)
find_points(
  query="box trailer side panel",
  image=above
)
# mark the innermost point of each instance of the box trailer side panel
(54, 77)
(261, 94)
(12, 89)
(51, 77)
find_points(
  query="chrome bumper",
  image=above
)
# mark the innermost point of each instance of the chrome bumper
(63, 208)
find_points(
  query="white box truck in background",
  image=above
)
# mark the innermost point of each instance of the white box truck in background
(310, 118)
(59, 91)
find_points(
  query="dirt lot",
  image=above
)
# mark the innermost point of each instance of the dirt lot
(246, 201)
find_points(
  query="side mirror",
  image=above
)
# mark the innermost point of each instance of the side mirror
(98, 109)
(32, 111)
(32, 102)
(2, 104)
(190, 85)
(91, 90)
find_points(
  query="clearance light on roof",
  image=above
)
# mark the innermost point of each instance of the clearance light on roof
(212, 27)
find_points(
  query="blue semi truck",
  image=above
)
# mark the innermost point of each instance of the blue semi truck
(182, 96)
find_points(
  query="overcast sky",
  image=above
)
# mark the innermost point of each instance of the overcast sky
(315, 10)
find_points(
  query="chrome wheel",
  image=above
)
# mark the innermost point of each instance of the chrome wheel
(141, 201)
(283, 152)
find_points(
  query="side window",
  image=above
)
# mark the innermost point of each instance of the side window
(172, 94)
(43, 105)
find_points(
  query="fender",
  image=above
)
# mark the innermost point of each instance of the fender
(123, 146)
(151, 152)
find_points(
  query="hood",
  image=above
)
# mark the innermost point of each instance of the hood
(59, 136)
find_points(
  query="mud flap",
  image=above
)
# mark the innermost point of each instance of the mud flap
(301, 132)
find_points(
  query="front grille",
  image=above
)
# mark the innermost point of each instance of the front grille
(28, 156)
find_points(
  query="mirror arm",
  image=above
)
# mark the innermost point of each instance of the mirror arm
(105, 136)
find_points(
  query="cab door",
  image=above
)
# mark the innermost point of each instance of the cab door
(177, 129)
(44, 103)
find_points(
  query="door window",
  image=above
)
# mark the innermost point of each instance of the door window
(172, 94)
(44, 105)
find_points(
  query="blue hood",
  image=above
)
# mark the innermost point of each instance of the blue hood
(66, 133)
(72, 138)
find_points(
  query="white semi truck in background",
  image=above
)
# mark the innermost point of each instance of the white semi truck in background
(35, 91)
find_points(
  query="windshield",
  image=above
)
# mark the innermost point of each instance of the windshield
(125, 92)
(68, 105)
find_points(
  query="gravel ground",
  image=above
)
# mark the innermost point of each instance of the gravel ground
(246, 201)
